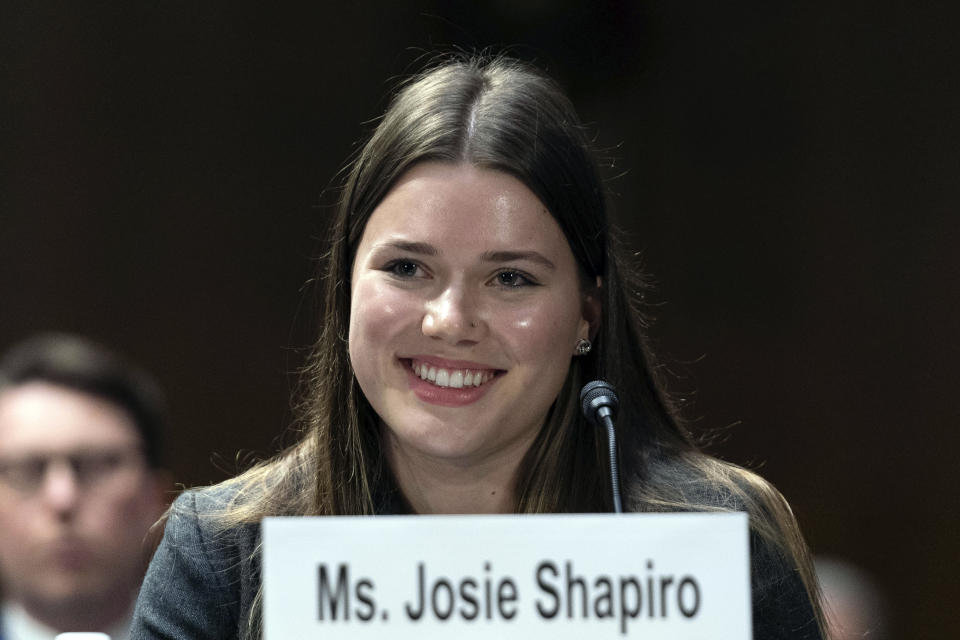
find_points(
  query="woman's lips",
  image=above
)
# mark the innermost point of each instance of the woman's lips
(455, 378)
(451, 383)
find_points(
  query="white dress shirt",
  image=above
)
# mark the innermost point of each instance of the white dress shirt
(18, 625)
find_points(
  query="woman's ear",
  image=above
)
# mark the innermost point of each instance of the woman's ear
(592, 309)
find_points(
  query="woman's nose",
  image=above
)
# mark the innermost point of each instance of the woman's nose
(453, 315)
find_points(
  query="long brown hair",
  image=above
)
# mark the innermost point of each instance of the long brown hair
(500, 114)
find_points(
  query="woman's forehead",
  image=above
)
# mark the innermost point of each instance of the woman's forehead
(463, 207)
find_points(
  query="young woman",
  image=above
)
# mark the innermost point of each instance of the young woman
(470, 290)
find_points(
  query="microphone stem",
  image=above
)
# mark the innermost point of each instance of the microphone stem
(614, 471)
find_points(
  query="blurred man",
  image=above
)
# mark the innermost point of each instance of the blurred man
(80, 486)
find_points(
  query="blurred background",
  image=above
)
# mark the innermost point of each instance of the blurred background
(789, 172)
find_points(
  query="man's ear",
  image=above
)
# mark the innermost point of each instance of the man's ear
(157, 496)
(592, 309)
(161, 489)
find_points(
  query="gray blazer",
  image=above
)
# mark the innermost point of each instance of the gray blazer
(202, 580)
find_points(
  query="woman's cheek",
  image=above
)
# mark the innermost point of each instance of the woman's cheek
(537, 333)
(377, 312)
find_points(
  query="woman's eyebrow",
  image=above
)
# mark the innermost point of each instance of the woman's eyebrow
(421, 248)
(511, 256)
(426, 249)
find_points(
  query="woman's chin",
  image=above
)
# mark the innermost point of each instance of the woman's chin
(442, 446)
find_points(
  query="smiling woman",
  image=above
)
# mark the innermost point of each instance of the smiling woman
(462, 272)
(470, 289)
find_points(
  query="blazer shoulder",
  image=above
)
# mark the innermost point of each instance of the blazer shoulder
(204, 575)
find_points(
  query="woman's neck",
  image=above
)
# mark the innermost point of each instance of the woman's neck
(432, 485)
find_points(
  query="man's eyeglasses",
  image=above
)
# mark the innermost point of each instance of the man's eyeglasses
(91, 469)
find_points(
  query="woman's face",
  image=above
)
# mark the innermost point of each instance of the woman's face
(466, 307)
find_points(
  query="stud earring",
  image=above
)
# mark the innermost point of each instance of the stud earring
(583, 347)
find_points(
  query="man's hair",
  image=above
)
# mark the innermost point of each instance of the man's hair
(81, 365)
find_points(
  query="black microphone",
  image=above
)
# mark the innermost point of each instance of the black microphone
(599, 404)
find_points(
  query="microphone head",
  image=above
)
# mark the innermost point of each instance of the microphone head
(598, 399)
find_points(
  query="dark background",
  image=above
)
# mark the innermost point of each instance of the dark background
(789, 172)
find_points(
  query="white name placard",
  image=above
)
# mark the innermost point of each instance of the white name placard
(653, 576)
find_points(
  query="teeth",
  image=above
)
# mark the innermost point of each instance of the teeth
(455, 379)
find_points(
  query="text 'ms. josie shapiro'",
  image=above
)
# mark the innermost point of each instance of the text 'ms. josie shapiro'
(561, 591)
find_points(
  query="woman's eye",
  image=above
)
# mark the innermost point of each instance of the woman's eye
(403, 268)
(513, 279)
